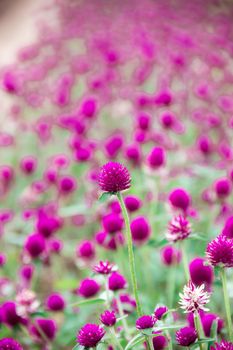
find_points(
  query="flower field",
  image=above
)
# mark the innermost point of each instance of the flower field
(116, 179)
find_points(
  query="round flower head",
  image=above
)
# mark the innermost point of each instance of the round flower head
(156, 157)
(104, 268)
(90, 335)
(145, 321)
(116, 281)
(132, 203)
(170, 255)
(224, 345)
(55, 302)
(35, 245)
(114, 177)
(47, 326)
(88, 288)
(228, 228)
(179, 228)
(67, 184)
(194, 298)
(207, 322)
(200, 273)
(159, 342)
(108, 318)
(86, 250)
(140, 229)
(179, 198)
(160, 311)
(222, 187)
(9, 344)
(186, 336)
(219, 252)
(112, 223)
(9, 314)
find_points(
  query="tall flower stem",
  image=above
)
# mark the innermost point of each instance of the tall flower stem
(124, 321)
(130, 253)
(185, 261)
(114, 338)
(199, 328)
(227, 303)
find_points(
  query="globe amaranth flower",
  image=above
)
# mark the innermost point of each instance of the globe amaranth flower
(194, 298)
(104, 268)
(140, 229)
(116, 281)
(160, 311)
(55, 302)
(170, 255)
(179, 198)
(88, 288)
(201, 273)
(46, 326)
(160, 342)
(145, 321)
(26, 302)
(179, 228)
(114, 177)
(219, 252)
(108, 318)
(9, 344)
(186, 336)
(90, 335)
(223, 345)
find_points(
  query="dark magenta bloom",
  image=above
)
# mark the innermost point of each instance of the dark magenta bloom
(88, 288)
(133, 153)
(170, 255)
(9, 344)
(104, 268)
(88, 108)
(28, 164)
(228, 228)
(55, 302)
(140, 229)
(222, 187)
(46, 224)
(2, 259)
(207, 321)
(201, 273)
(112, 223)
(186, 336)
(114, 177)
(90, 335)
(144, 121)
(113, 146)
(67, 184)
(145, 321)
(9, 315)
(219, 252)
(160, 311)
(85, 250)
(132, 203)
(116, 281)
(159, 342)
(224, 345)
(156, 157)
(108, 318)
(35, 245)
(179, 198)
(47, 326)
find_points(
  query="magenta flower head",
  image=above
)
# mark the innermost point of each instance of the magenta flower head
(26, 272)
(104, 268)
(2, 259)
(222, 187)
(140, 229)
(145, 321)
(194, 298)
(160, 311)
(132, 203)
(67, 184)
(9, 344)
(47, 326)
(116, 281)
(156, 158)
(133, 154)
(219, 252)
(201, 273)
(224, 345)
(35, 245)
(170, 255)
(186, 336)
(179, 228)
(112, 223)
(159, 342)
(108, 318)
(180, 199)
(88, 288)
(88, 108)
(9, 314)
(85, 250)
(114, 177)
(28, 164)
(90, 335)
(207, 321)
(55, 302)
(228, 228)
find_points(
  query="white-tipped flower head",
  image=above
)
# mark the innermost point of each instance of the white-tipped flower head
(194, 298)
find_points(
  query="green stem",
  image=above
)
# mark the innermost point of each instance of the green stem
(199, 329)
(108, 302)
(185, 261)
(130, 253)
(150, 343)
(169, 340)
(124, 321)
(227, 303)
(171, 285)
(114, 338)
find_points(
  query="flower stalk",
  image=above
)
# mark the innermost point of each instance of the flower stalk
(227, 303)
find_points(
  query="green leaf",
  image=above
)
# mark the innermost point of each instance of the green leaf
(139, 338)
(157, 244)
(121, 318)
(169, 327)
(104, 197)
(88, 302)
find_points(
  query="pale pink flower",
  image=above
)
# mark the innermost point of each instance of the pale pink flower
(194, 298)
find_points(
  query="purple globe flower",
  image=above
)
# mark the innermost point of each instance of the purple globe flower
(228, 228)
(47, 326)
(9, 344)
(224, 345)
(90, 335)
(88, 288)
(222, 187)
(108, 318)
(132, 203)
(145, 321)
(186, 336)
(112, 223)
(55, 302)
(179, 228)
(200, 273)
(9, 315)
(140, 229)
(179, 198)
(85, 250)
(35, 245)
(159, 342)
(207, 321)
(219, 252)
(114, 177)
(104, 268)
(156, 158)
(160, 311)
(116, 281)
(170, 255)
